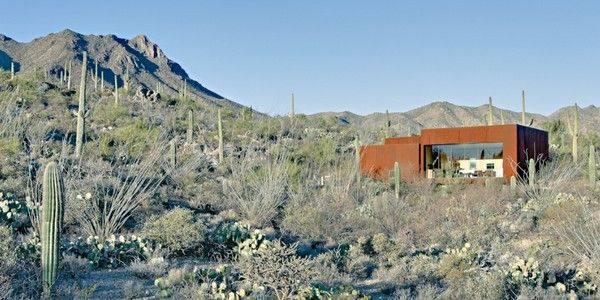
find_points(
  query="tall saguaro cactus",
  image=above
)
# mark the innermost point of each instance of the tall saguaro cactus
(101, 81)
(220, 128)
(523, 107)
(81, 109)
(52, 212)
(397, 180)
(387, 124)
(116, 91)
(292, 108)
(173, 152)
(12, 70)
(490, 113)
(592, 172)
(357, 158)
(95, 75)
(574, 131)
(190, 127)
(531, 172)
(69, 75)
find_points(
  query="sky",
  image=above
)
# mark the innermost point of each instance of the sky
(358, 56)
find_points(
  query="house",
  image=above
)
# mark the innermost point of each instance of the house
(499, 151)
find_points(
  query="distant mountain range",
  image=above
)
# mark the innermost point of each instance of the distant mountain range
(147, 64)
(445, 114)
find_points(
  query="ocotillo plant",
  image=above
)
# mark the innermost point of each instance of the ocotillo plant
(52, 211)
(592, 166)
(574, 131)
(190, 127)
(116, 91)
(220, 128)
(531, 172)
(388, 124)
(513, 184)
(523, 107)
(81, 109)
(397, 179)
(173, 152)
(490, 113)
(12, 70)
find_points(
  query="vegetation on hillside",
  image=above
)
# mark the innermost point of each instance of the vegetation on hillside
(284, 215)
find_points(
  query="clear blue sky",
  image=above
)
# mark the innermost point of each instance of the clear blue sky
(361, 56)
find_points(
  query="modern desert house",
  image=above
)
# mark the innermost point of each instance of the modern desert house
(498, 151)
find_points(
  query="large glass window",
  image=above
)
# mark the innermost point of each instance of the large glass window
(464, 160)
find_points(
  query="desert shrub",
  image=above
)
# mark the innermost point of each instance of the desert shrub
(176, 230)
(257, 188)
(152, 268)
(111, 253)
(74, 266)
(8, 261)
(278, 268)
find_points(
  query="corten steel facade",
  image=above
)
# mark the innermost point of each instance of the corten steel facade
(518, 144)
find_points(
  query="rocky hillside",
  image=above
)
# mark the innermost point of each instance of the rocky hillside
(446, 114)
(146, 64)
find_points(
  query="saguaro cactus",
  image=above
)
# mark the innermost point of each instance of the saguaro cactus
(292, 108)
(173, 152)
(190, 127)
(531, 172)
(101, 81)
(592, 172)
(513, 184)
(12, 70)
(574, 131)
(126, 79)
(52, 212)
(387, 124)
(357, 158)
(69, 75)
(95, 75)
(116, 91)
(490, 113)
(81, 109)
(397, 179)
(523, 107)
(220, 128)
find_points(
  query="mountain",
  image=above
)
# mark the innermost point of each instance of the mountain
(147, 65)
(445, 114)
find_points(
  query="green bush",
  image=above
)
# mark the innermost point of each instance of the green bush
(177, 230)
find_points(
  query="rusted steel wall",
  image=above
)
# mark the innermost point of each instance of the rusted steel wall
(378, 160)
(519, 143)
(505, 134)
(403, 140)
(532, 143)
